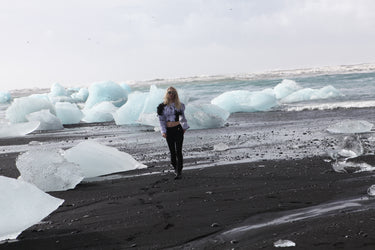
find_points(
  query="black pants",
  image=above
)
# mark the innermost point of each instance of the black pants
(175, 138)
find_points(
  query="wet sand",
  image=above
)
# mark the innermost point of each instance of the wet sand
(158, 212)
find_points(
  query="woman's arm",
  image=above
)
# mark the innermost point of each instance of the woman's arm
(162, 119)
(183, 120)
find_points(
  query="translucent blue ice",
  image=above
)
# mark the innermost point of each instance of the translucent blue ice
(22, 205)
(101, 112)
(106, 91)
(285, 88)
(68, 113)
(246, 101)
(130, 111)
(47, 120)
(5, 97)
(18, 129)
(205, 116)
(23, 106)
(81, 95)
(308, 94)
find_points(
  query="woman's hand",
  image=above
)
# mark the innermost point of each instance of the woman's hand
(164, 135)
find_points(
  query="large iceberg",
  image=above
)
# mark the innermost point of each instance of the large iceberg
(47, 120)
(101, 112)
(130, 111)
(95, 159)
(127, 88)
(23, 106)
(68, 113)
(18, 129)
(205, 116)
(307, 94)
(106, 91)
(350, 127)
(5, 97)
(22, 205)
(48, 170)
(246, 101)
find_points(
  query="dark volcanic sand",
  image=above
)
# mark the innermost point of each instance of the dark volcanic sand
(157, 212)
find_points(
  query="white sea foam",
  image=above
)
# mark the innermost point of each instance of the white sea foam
(330, 105)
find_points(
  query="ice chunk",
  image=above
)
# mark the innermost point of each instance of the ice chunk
(150, 119)
(154, 98)
(101, 112)
(307, 94)
(130, 111)
(205, 116)
(18, 129)
(58, 90)
(47, 120)
(22, 205)
(284, 243)
(95, 159)
(5, 97)
(246, 101)
(81, 95)
(68, 113)
(350, 127)
(352, 167)
(371, 190)
(221, 147)
(106, 91)
(285, 88)
(126, 87)
(48, 170)
(23, 106)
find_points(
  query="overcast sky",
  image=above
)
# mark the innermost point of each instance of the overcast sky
(76, 42)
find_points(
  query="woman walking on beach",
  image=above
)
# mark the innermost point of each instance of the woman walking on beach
(173, 125)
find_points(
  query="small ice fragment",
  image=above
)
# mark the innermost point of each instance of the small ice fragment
(5, 97)
(351, 167)
(95, 159)
(371, 190)
(22, 205)
(221, 147)
(350, 127)
(284, 243)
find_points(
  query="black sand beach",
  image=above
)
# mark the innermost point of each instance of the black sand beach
(148, 209)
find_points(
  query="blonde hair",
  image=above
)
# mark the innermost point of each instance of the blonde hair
(167, 101)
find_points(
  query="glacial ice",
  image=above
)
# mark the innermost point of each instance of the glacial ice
(81, 95)
(106, 91)
(58, 90)
(101, 112)
(5, 97)
(284, 243)
(352, 167)
(127, 88)
(150, 119)
(68, 113)
(350, 127)
(205, 116)
(371, 190)
(95, 159)
(22, 205)
(307, 94)
(246, 101)
(130, 111)
(47, 120)
(23, 106)
(154, 98)
(18, 129)
(48, 170)
(285, 88)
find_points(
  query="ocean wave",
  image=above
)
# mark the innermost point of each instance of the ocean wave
(330, 106)
(273, 74)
